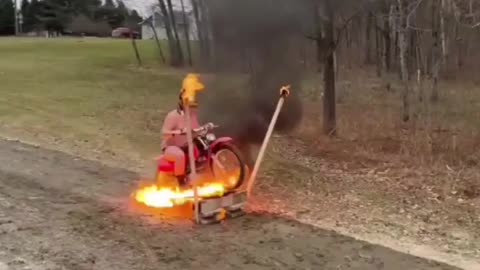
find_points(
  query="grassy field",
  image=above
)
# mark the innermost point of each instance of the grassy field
(89, 93)
(89, 97)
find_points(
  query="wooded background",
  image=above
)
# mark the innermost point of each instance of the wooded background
(90, 17)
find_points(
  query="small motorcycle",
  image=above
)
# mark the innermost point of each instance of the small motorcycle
(217, 157)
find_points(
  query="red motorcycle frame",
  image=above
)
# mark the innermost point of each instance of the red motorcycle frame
(207, 149)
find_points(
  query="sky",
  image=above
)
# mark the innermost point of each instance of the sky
(144, 7)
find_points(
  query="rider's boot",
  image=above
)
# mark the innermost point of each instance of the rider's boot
(182, 181)
(185, 182)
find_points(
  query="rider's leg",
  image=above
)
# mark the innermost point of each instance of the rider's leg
(175, 154)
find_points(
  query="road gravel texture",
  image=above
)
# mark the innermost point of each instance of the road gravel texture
(62, 212)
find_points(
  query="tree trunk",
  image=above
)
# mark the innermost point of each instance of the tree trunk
(187, 34)
(348, 49)
(418, 61)
(378, 49)
(412, 52)
(135, 49)
(207, 35)
(397, 47)
(402, 36)
(329, 99)
(174, 59)
(443, 34)
(386, 37)
(387, 51)
(198, 22)
(436, 50)
(460, 48)
(175, 32)
(368, 34)
(393, 35)
(319, 39)
(157, 41)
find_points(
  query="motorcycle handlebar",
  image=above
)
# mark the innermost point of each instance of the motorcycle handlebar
(203, 128)
(206, 127)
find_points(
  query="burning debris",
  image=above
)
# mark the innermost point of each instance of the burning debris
(164, 197)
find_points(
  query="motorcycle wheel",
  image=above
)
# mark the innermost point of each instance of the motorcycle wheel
(231, 166)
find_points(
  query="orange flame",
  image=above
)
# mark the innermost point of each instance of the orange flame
(158, 197)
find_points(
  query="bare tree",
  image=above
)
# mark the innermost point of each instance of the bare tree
(187, 33)
(436, 50)
(402, 42)
(386, 33)
(378, 48)
(443, 33)
(206, 28)
(157, 41)
(329, 100)
(175, 59)
(198, 23)
(368, 34)
(173, 21)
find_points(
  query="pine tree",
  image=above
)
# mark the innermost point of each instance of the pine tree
(30, 14)
(114, 15)
(7, 17)
(27, 22)
(133, 20)
(85, 7)
(54, 15)
(109, 4)
(119, 15)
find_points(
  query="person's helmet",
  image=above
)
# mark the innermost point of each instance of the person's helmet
(190, 87)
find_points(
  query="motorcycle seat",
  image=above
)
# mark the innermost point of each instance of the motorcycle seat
(165, 165)
(169, 166)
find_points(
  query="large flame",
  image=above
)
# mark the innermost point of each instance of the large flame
(162, 197)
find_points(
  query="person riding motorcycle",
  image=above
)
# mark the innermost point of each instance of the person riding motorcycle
(174, 142)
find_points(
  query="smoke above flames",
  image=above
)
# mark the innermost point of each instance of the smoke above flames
(256, 51)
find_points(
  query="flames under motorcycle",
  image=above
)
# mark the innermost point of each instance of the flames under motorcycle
(218, 157)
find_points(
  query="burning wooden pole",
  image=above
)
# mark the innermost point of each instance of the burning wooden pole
(284, 92)
(191, 156)
(191, 85)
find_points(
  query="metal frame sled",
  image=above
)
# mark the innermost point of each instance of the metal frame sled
(215, 210)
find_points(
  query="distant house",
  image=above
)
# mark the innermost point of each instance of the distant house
(158, 22)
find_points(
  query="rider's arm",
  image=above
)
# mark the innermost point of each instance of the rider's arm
(170, 126)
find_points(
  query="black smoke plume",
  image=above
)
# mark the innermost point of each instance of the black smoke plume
(255, 46)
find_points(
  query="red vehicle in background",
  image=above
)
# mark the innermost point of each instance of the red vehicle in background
(125, 32)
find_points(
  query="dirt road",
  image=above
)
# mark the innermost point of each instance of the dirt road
(59, 212)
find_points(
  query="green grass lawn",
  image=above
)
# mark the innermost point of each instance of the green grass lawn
(91, 94)
(85, 91)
